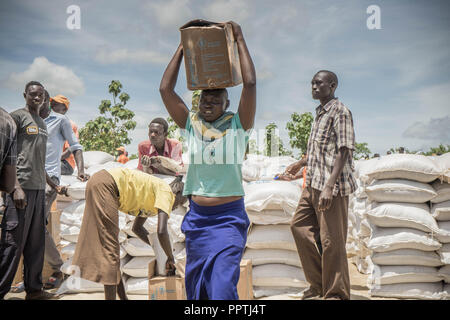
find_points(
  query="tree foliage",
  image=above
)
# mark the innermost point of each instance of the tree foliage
(110, 130)
(273, 143)
(361, 150)
(441, 149)
(299, 129)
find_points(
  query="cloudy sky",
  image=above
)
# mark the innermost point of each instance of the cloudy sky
(395, 80)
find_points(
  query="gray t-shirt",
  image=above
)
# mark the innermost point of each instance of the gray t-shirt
(31, 148)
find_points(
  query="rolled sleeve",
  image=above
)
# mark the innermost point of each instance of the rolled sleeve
(69, 135)
(345, 133)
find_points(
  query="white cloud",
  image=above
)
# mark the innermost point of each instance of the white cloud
(436, 129)
(434, 99)
(172, 13)
(124, 55)
(55, 78)
(226, 10)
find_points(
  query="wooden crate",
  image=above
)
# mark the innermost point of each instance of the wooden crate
(245, 284)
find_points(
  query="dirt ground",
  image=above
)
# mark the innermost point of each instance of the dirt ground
(359, 291)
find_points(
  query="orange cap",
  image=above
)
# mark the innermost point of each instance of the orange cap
(121, 149)
(61, 99)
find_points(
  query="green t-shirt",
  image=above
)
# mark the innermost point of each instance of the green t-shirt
(31, 148)
(215, 167)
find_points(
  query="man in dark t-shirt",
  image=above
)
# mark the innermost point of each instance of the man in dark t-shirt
(23, 224)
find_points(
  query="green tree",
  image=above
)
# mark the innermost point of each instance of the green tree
(273, 143)
(441, 149)
(134, 156)
(361, 150)
(110, 130)
(299, 129)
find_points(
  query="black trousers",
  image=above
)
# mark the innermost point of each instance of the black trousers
(23, 231)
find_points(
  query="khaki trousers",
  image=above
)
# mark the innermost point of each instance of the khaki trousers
(320, 238)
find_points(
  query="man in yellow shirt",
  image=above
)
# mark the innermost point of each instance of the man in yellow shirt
(133, 192)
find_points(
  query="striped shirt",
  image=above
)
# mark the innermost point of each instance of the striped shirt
(8, 140)
(331, 130)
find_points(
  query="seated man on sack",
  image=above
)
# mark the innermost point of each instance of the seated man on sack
(153, 151)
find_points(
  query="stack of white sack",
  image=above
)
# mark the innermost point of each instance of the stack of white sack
(399, 238)
(358, 225)
(440, 210)
(142, 254)
(270, 205)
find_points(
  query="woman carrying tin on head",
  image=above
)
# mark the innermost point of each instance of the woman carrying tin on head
(216, 224)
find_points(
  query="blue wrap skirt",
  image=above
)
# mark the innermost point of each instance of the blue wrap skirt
(215, 241)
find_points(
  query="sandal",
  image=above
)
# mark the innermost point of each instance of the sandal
(54, 281)
(18, 288)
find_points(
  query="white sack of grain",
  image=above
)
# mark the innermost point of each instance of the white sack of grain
(68, 180)
(271, 237)
(425, 291)
(443, 191)
(278, 275)
(104, 166)
(441, 211)
(135, 247)
(259, 292)
(138, 266)
(270, 217)
(96, 157)
(78, 285)
(404, 166)
(407, 257)
(403, 215)
(272, 195)
(400, 190)
(444, 232)
(77, 190)
(267, 256)
(382, 275)
(387, 239)
(444, 253)
(132, 164)
(137, 285)
(443, 162)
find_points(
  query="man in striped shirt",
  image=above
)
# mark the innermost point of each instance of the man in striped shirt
(319, 225)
